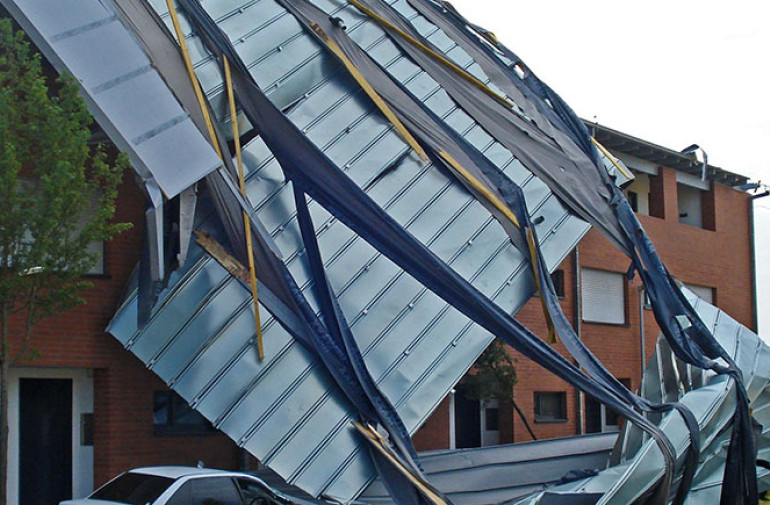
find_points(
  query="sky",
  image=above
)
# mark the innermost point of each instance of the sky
(674, 72)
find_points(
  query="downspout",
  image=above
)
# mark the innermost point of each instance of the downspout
(579, 396)
(753, 259)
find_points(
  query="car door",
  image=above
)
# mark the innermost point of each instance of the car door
(207, 491)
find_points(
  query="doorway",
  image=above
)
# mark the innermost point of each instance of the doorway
(45, 441)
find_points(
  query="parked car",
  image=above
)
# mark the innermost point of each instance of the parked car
(180, 485)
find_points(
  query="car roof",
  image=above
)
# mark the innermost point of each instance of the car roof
(176, 472)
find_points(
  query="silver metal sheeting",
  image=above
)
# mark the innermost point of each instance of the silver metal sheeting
(711, 399)
(126, 95)
(495, 474)
(286, 410)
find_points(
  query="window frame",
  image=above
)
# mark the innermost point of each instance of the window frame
(563, 411)
(171, 427)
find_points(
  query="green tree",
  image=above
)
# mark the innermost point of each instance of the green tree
(50, 177)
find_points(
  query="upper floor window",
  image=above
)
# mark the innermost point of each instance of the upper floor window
(603, 296)
(638, 193)
(690, 205)
(705, 293)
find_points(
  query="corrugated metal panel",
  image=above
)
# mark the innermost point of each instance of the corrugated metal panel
(710, 397)
(495, 474)
(124, 92)
(285, 410)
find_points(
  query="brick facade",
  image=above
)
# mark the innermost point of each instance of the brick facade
(123, 388)
(717, 255)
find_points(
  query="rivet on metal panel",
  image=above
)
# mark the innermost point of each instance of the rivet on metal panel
(280, 48)
(411, 305)
(365, 312)
(406, 352)
(366, 267)
(280, 229)
(347, 165)
(470, 242)
(508, 282)
(242, 40)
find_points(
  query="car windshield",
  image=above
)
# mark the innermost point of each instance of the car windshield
(133, 488)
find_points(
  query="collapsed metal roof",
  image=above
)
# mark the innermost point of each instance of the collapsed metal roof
(409, 186)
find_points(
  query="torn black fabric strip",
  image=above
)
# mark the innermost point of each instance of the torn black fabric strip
(308, 168)
(569, 173)
(333, 342)
(697, 346)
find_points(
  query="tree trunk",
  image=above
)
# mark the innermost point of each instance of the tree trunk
(3, 430)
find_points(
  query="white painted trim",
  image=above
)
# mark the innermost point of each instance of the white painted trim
(693, 180)
(638, 164)
(82, 403)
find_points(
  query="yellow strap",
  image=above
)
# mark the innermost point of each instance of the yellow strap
(503, 208)
(478, 186)
(380, 445)
(538, 284)
(376, 98)
(191, 74)
(611, 158)
(246, 220)
(214, 141)
(433, 54)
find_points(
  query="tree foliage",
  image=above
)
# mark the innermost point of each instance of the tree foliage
(57, 191)
(492, 376)
(57, 196)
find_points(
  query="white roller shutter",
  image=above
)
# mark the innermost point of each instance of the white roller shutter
(603, 296)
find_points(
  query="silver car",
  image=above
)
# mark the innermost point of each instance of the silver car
(179, 485)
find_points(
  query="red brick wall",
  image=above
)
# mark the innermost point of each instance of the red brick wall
(719, 258)
(123, 387)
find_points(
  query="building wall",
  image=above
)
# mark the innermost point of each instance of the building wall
(122, 386)
(719, 258)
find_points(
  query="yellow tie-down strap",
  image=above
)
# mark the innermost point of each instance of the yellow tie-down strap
(369, 90)
(215, 142)
(506, 211)
(433, 54)
(381, 445)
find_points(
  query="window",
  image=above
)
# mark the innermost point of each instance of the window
(690, 205)
(600, 419)
(638, 193)
(705, 293)
(133, 488)
(603, 296)
(207, 491)
(557, 278)
(171, 415)
(550, 406)
(256, 494)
